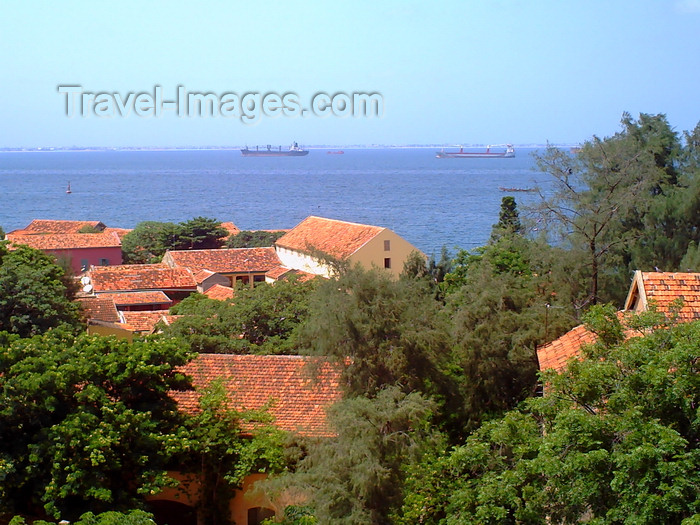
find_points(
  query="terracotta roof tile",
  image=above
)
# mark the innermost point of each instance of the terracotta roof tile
(51, 226)
(220, 292)
(66, 241)
(135, 277)
(138, 298)
(337, 238)
(558, 352)
(282, 272)
(231, 228)
(300, 399)
(664, 287)
(100, 308)
(229, 260)
(146, 321)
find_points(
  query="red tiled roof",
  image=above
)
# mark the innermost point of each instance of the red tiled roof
(140, 277)
(66, 241)
(102, 309)
(231, 228)
(226, 261)
(661, 288)
(558, 352)
(220, 292)
(137, 298)
(282, 272)
(51, 226)
(300, 397)
(336, 238)
(664, 287)
(146, 321)
(121, 232)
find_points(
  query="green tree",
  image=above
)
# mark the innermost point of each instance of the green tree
(148, 242)
(508, 219)
(385, 331)
(201, 233)
(263, 319)
(253, 239)
(35, 293)
(614, 440)
(84, 422)
(222, 446)
(356, 477)
(623, 203)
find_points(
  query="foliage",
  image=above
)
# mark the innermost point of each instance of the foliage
(384, 331)
(614, 440)
(253, 239)
(223, 446)
(88, 228)
(263, 319)
(134, 517)
(35, 293)
(149, 240)
(355, 477)
(503, 303)
(508, 219)
(83, 421)
(623, 203)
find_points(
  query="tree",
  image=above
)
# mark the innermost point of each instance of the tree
(384, 331)
(221, 447)
(508, 219)
(253, 239)
(149, 240)
(263, 319)
(35, 293)
(622, 202)
(614, 440)
(201, 233)
(355, 477)
(504, 300)
(84, 422)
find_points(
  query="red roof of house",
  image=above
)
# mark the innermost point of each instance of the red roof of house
(336, 238)
(300, 390)
(282, 272)
(51, 226)
(146, 321)
(66, 241)
(100, 308)
(138, 298)
(220, 292)
(135, 277)
(225, 261)
(663, 288)
(231, 228)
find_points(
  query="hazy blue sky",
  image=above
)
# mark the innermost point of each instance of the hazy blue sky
(449, 72)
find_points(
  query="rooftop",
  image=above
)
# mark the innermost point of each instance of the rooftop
(301, 392)
(66, 241)
(224, 261)
(140, 277)
(339, 239)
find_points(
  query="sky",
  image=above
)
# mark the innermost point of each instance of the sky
(462, 72)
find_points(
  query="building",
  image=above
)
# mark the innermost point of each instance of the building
(305, 246)
(298, 389)
(661, 289)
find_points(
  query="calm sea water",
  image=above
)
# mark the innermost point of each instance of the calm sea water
(430, 202)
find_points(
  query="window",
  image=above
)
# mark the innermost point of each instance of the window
(387, 246)
(104, 262)
(84, 265)
(387, 262)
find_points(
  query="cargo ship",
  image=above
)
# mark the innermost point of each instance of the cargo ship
(506, 151)
(268, 151)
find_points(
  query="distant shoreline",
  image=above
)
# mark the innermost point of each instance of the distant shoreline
(237, 148)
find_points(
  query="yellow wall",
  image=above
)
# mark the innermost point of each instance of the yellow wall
(373, 252)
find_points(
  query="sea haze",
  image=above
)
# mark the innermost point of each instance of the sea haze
(430, 202)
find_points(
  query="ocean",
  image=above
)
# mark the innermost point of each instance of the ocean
(428, 201)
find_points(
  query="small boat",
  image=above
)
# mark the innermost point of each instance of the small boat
(68, 190)
(517, 189)
(294, 151)
(339, 152)
(508, 152)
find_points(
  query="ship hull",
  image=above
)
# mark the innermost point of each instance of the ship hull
(253, 153)
(475, 155)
